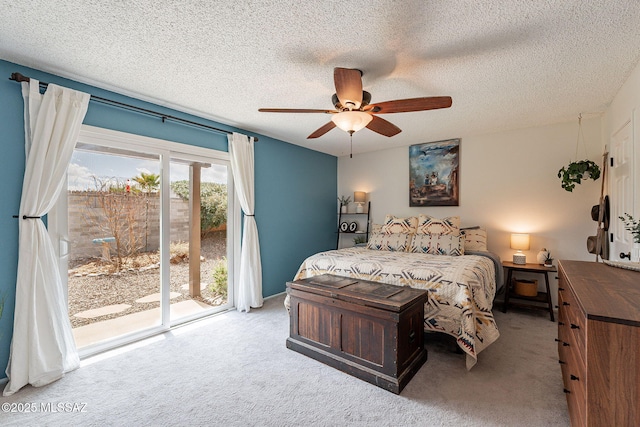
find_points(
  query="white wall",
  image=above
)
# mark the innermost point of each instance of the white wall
(508, 183)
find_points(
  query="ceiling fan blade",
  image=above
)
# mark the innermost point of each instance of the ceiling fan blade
(383, 127)
(294, 110)
(324, 129)
(348, 82)
(409, 105)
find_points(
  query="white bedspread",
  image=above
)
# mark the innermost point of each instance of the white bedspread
(460, 288)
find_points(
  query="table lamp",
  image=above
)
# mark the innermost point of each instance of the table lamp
(359, 197)
(519, 242)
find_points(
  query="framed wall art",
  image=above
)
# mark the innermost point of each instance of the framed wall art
(434, 170)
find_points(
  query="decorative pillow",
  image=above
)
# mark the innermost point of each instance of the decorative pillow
(393, 225)
(475, 239)
(430, 225)
(389, 242)
(376, 228)
(438, 244)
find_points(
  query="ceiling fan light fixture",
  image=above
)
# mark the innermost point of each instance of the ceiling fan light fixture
(351, 121)
(353, 110)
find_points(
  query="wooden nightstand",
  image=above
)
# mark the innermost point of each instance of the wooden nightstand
(533, 301)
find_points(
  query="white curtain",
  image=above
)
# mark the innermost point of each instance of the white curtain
(42, 347)
(241, 155)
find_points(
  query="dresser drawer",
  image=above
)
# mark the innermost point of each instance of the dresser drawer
(574, 382)
(573, 318)
(572, 365)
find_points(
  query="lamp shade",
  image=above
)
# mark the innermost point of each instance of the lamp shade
(351, 121)
(359, 196)
(520, 241)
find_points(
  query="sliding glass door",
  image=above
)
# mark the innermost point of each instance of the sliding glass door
(145, 233)
(199, 235)
(114, 285)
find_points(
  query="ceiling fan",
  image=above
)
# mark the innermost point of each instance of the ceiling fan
(353, 111)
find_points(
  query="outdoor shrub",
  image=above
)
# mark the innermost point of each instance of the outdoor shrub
(213, 202)
(219, 274)
(178, 252)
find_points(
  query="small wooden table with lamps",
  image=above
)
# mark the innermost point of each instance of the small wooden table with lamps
(540, 298)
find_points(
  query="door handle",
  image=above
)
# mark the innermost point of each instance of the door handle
(627, 255)
(64, 247)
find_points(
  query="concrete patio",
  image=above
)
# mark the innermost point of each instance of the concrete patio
(108, 329)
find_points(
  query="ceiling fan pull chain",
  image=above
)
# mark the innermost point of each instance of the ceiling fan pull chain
(351, 143)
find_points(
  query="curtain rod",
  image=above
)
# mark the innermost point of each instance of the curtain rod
(20, 78)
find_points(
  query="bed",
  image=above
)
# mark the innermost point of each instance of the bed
(459, 274)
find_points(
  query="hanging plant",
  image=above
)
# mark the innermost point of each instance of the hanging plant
(575, 172)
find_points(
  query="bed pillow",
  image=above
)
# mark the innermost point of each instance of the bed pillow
(430, 225)
(475, 239)
(438, 244)
(376, 228)
(393, 224)
(390, 242)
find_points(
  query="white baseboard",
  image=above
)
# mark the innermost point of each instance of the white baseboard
(276, 295)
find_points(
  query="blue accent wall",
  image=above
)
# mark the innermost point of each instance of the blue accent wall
(296, 188)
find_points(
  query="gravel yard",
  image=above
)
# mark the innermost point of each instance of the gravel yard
(91, 285)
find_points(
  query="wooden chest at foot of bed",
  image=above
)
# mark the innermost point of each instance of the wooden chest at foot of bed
(373, 331)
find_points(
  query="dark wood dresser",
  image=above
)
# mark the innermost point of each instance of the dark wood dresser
(371, 330)
(599, 343)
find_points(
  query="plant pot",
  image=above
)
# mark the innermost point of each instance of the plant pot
(635, 252)
(542, 256)
(343, 209)
(576, 172)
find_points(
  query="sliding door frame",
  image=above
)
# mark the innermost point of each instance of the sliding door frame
(166, 150)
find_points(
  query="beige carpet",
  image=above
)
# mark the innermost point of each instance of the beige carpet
(234, 369)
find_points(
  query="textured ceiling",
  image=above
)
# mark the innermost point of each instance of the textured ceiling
(507, 64)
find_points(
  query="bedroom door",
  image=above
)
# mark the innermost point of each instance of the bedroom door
(621, 189)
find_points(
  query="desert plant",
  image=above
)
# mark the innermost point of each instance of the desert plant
(118, 216)
(178, 252)
(148, 182)
(219, 275)
(575, 172)
(632, 226)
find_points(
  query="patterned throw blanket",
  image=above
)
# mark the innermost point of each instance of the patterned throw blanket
(460, 288)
